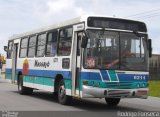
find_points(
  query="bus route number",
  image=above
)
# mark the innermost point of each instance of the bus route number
(139, 77)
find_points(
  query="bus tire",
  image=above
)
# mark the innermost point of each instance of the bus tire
(23, 90)
(112, 101)
(62, 97)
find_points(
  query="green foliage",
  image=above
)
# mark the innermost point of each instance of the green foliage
(154, 88)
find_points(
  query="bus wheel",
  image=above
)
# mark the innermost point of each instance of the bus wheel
(62, 97)
(23, 90)
(112, 101)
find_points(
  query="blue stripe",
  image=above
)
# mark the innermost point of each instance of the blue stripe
(90, 76)
(44, 73)
(84, 75)
(105, 75)
(121, 77)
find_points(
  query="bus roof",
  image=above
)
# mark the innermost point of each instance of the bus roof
(47, 28)
(58, 25)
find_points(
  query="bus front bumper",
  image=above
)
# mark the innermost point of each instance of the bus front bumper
(95, 92)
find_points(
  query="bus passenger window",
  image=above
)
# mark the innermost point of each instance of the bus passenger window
(9, 52)
(51, 44)
(65, 41)
(24, 45)
(32, 46)
(41, 45)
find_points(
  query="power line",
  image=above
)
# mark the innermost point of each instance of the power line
(148, 16)
(153, 16)
(142, 13)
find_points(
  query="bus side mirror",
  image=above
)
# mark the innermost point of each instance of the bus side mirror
(5, 48)
(84, 40)
(150, 47)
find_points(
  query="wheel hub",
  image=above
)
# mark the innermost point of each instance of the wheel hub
(62, 91)
(20, 87)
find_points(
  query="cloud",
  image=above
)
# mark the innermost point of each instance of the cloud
(59, 5)
(58, 10)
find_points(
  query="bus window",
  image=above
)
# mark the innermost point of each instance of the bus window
(24, 45)
(31, 46)
(9, 52)
(41, 45)
(51, 44)
(65, 41)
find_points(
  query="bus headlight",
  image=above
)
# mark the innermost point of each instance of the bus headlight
(92, 83)
(138, 85)
(143, 85)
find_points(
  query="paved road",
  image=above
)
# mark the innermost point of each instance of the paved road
(44, 101)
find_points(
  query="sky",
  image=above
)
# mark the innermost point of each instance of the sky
(18, 16)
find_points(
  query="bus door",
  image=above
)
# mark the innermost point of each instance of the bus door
(78, 69)
(76, 62)
(14, 61)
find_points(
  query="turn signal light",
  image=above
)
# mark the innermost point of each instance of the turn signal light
(141, 92)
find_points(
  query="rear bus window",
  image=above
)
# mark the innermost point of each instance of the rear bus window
(51, 45)
(9, 52)
(24, 45)
(41, 45)
(32, 46)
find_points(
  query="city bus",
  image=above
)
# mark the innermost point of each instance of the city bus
(85, 57)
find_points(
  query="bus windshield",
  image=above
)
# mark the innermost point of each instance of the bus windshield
(116, 50)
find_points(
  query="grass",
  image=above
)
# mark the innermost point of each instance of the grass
(154, 88)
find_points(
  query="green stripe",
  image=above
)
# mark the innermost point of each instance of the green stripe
(68, 84)
(39, 80)
(45, 81)
(48, 81)
(112, 75)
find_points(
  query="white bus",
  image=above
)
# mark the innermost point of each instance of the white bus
(86, 57)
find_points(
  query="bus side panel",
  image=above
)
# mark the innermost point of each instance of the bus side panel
(43, 77)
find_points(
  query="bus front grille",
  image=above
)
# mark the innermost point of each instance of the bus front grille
(122, 85)
(118, 93)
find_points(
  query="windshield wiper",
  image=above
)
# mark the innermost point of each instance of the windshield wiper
(137, 34)
(101, 33)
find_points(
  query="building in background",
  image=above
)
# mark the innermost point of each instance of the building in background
(155, 67)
